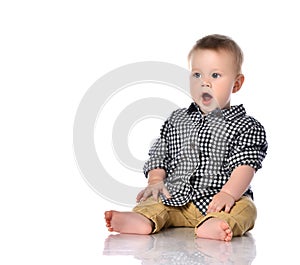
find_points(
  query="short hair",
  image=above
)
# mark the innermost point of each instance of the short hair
(219, 42)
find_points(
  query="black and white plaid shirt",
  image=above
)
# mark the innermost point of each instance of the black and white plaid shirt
(199, 152)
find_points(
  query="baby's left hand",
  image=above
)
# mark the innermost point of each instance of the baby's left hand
(220, 201)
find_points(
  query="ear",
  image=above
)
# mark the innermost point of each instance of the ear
(238, 83)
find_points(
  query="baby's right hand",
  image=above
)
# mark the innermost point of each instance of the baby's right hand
(154, 190)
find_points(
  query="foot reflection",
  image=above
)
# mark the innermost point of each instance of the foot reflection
(239, 251)
(178, 246)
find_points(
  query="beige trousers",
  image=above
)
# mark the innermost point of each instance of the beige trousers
(240, 219)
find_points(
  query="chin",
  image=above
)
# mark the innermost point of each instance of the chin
(207, 108)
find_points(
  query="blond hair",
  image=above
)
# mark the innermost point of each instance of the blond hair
(219, 42)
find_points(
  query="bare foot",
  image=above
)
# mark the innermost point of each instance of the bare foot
(214, 228)
(127, 223)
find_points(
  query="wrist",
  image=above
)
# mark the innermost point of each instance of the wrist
(156, 175)
(229, 193)
(154, 179)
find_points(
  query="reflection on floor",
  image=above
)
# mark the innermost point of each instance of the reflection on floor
(178, 246)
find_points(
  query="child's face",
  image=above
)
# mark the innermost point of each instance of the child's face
(213, 78)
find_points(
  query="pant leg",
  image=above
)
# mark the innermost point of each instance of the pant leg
(154, 211)
(164, 216)
(241, 218)
(184, 216)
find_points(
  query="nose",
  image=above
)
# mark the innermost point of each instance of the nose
(205, 83)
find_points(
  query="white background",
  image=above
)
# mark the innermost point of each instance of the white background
(51, 52)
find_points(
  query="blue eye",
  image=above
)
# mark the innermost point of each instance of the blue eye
(196, 75)
(215, 75)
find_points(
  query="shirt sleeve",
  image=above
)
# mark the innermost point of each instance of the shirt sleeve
(249, 148)
(159, 152)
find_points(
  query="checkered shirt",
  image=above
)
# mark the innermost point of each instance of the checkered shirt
(199, 152)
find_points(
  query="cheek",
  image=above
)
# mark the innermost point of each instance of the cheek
(194, 89)
(195, 93)
(223, 97)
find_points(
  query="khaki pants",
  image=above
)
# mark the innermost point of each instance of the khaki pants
(240, 219)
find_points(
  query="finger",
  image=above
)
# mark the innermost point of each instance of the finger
(166, 193)
(227, 208)
(210, 209)
(140, 195)
(215, 208)
(155, 194)
(219, 208)
(147, 194)
(144, 195)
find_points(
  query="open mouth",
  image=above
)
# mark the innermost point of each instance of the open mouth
(206, 97)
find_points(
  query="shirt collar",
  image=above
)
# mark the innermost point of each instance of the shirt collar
(232, 113)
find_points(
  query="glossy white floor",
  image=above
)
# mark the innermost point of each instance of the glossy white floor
(178, 246)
